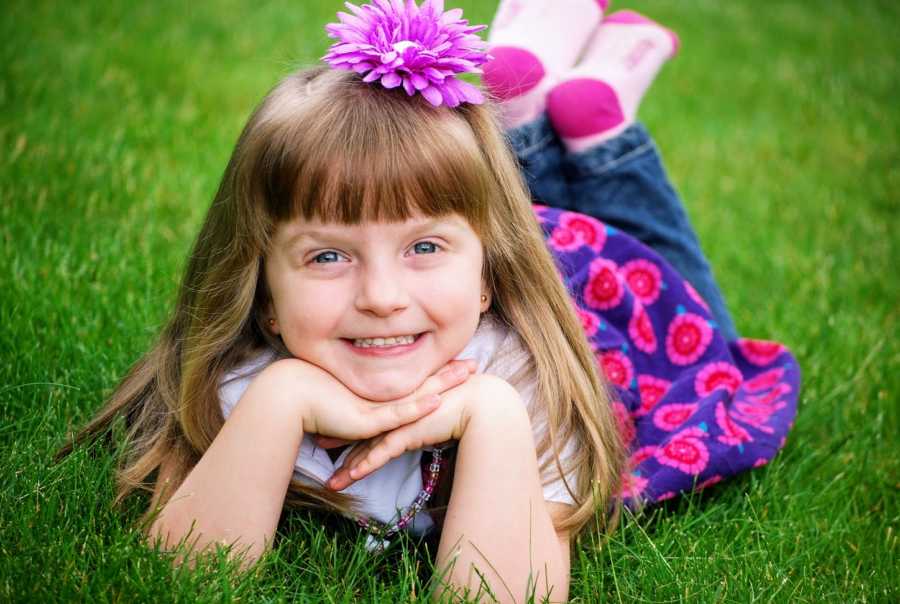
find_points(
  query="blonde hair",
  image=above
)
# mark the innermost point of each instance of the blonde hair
(324, 145)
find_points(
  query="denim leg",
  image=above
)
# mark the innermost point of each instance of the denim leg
(540, 155)
(622, 182)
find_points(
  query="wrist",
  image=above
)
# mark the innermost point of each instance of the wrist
(495, 404)
(290, 384)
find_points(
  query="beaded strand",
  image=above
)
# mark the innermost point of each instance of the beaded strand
(383, 532)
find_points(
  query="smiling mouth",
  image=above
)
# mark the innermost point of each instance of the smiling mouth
(389, 342)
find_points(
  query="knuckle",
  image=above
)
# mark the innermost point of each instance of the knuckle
(393, 441)
(402, 412)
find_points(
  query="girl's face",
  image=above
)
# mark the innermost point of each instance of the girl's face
(380, 306)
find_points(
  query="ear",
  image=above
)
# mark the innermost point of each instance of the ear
(270, 320)
(272, 326)
(485, 299)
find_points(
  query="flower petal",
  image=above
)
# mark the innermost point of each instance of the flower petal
(391, 80)
(432, 95)
(421, 47)
(418, 81)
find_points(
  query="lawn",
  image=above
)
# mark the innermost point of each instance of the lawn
(779, 122)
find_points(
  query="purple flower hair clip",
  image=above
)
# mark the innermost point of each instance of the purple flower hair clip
(421, 48)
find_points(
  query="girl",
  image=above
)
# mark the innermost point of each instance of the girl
(371, 272)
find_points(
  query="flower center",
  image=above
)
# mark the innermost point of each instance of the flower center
(404, 44)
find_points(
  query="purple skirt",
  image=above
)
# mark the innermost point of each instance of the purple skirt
(693, 408)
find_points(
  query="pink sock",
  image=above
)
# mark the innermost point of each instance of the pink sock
(533, 42)
(599, 98)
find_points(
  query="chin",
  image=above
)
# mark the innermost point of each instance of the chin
(382, 391)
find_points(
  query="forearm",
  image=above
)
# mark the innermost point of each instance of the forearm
(236, 491)
(497, 525)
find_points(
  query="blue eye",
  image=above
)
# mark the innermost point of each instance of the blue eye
(327, 257)
(425, 247)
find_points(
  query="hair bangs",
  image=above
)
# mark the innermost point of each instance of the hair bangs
(376, 155)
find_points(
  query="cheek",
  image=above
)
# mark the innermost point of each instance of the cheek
(456, 296)
(306, 312)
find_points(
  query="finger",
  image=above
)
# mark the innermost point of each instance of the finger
(327, 442)
(340, 480)
(468, 364)
(388, 416)
(451, 375)
(394, 444)
(359, 452)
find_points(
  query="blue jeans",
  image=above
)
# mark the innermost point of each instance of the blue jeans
(622, 183)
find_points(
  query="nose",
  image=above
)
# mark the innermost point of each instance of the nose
(381, 292)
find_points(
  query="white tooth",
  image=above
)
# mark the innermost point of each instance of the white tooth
(391, 341)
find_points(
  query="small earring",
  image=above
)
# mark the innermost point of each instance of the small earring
(483, 298)
(271, 322)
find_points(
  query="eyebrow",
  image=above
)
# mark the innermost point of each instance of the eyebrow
(331, 235)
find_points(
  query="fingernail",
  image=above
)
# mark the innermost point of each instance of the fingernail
(434, 399)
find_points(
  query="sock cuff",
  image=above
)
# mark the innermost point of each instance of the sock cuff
(630, 17)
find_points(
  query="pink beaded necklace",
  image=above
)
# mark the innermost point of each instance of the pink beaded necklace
(383, 532)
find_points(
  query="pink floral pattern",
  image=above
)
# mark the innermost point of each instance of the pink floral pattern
(688, 338)
(765, 380)
(617, 367)
(564, 239)
(632, 486)
(670, 417)
(641, 455)
(604, 288)
(732, 434)
(652, 390)
(693, 408)
(694, 295)
(624, 423)
(760, 352)
(644, 278)
(587, 230)
(718, 375)
(589, 321)
(640, 329)
(771, 397)
(716, 479)
(755, 414)
(756, 421)
(685, 451)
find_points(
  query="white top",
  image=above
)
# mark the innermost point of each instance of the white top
(498, 351)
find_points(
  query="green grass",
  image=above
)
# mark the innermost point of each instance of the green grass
(779, 122)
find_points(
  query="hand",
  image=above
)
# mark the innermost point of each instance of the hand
(447, 422)
(434, 383)
(331, 410)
